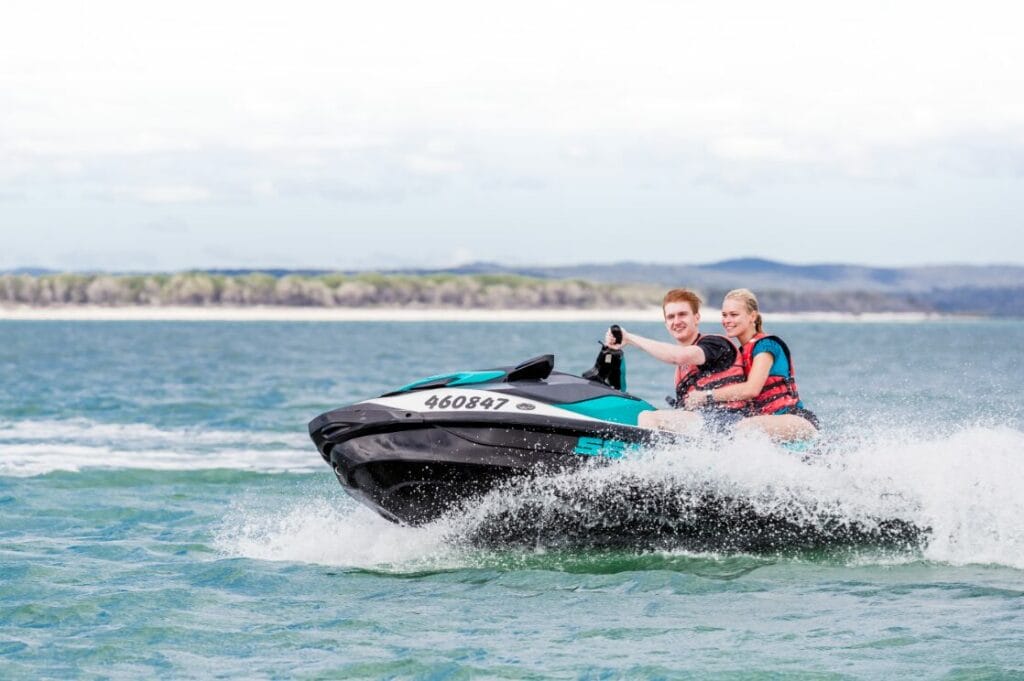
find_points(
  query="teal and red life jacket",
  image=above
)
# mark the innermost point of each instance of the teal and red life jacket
(778, 392)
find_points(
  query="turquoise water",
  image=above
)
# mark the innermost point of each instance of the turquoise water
(164, 514)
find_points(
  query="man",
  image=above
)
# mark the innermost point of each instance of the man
(703, 363)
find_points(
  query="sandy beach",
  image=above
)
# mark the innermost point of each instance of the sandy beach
(315, 314)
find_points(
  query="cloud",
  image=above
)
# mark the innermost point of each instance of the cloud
(422, 164)
(460, 256)
(165, 193)
(542, 118)
(168, 225)
(794, 84)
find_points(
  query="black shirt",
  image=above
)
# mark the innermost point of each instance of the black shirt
(719, 352)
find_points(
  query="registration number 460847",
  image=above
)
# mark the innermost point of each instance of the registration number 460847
(464, 402)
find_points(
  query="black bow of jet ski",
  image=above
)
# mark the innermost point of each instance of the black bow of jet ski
(413, 453)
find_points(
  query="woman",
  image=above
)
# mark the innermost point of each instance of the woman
(774, 403)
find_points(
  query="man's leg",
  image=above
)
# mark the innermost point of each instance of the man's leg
(675, 420)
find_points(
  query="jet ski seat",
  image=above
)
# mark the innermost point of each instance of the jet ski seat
(534, 369)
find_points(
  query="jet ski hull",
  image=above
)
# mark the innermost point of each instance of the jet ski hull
(412, 467)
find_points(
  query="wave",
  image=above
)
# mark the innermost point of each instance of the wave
(317, 529)
(965, 490)
(30, 448)
(954, 498)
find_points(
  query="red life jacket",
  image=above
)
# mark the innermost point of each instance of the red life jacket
(778, 392)
(696, 377)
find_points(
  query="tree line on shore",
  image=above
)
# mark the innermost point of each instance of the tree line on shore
(473, 291)
(331, 290)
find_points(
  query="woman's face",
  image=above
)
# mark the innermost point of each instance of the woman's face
(736, 320)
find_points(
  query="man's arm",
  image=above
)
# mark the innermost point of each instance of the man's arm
(670, 353)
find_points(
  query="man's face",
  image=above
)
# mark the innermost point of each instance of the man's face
(681, 321)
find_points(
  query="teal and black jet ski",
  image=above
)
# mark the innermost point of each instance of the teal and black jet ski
(413, 453)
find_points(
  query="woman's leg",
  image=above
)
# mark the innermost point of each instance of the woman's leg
(781, 427)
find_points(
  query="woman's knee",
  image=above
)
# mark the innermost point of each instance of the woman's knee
(782, 427)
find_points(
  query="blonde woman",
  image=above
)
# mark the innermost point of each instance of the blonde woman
(773, 402)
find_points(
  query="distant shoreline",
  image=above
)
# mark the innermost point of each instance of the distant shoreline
(376, 314)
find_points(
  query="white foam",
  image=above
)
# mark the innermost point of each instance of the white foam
(29, 448)
(967, 486)
(330, 531)
(83, 430)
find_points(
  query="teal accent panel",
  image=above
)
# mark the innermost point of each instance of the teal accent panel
(610, 408)
(460, 378)
(609, 449)
(471, 377)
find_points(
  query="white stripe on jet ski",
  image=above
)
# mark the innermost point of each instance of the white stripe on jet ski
(499, 403)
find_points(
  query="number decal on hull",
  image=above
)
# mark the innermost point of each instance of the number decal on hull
(463, 402)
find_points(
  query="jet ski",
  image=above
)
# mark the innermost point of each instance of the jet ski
(416, 452)
(436, 444)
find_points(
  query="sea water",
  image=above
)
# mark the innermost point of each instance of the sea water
(164, 514)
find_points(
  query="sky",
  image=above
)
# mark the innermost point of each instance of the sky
(351, 135)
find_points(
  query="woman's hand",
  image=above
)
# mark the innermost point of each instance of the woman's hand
(695, 400)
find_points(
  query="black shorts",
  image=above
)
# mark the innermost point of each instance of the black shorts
(807, 414)
(721, 420)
